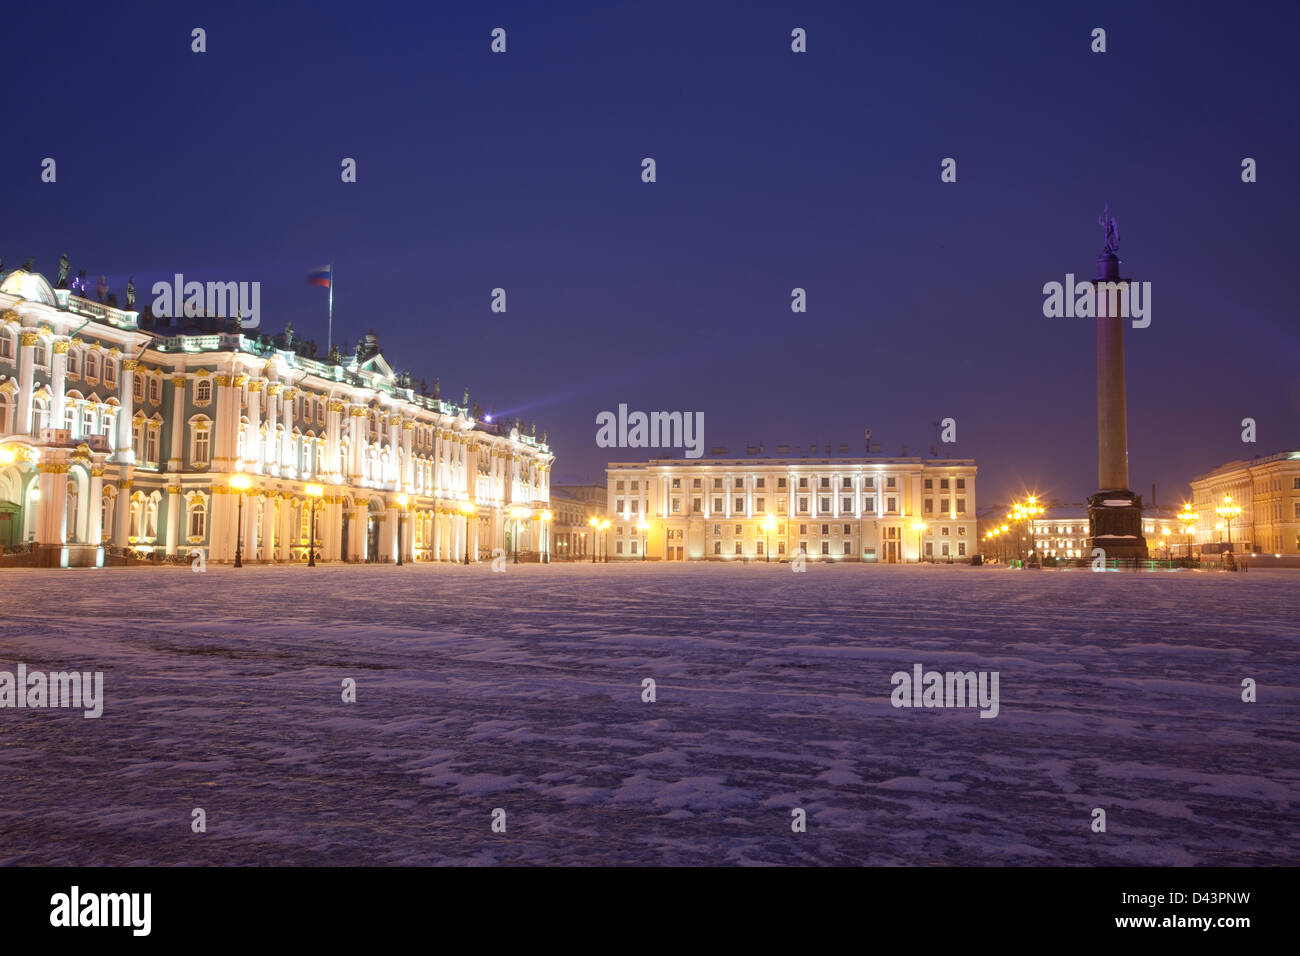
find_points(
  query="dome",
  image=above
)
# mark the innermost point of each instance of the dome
(30, 286)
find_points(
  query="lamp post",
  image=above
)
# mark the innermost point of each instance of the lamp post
(644, 527)
(604, 526)
(401, 515)
(239, 482)
(1164, 541)
(314, 493)
(546, 537)
(919, 527)
(1228, 510)
(518, 514)
(1188, 517)
(467, 509)
(595, 540)
(767, 549)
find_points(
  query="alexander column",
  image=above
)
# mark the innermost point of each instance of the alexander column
(1114, 512)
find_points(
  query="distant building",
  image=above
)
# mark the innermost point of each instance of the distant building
(831, 509)
(1268, 492)
(572, 508)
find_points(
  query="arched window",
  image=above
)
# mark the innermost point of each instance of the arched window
(200, 441)
(198, 518)
(203, 391)
(92, 365)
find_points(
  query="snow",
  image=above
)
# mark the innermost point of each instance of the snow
(522, 691)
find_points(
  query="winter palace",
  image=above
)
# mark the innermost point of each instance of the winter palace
(119, 441)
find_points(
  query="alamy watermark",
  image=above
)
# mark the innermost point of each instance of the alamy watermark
(178, 298)
(38, 690)
(953, 689)
(1126, 299)
(652, 430)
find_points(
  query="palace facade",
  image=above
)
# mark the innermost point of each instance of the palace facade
(118, 439)
(888, 510)
(1266, 489)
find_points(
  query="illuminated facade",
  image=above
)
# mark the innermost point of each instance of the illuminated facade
(1266, 489)
(756, 509)
(117, 439)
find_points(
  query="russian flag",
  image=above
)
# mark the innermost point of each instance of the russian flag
(320, 276)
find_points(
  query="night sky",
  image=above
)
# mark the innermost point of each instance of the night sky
(775, 170)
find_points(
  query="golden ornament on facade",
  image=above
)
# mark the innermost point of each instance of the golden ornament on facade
(130, 365)
(240, 381)
(61, 348)
(335, 405)
(358, 413)
(256, 385)
(274, 388)
(28, 339)
(223, 381)
(178, 381)
(10, 316)
(97, 472)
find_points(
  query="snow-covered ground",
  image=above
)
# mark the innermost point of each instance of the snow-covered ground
(522, 691)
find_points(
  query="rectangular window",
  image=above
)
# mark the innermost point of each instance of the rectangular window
(696, 505)
(760, 483)
(677, 483)
(826, 505)
(929, 483)
(717, 482)
(780, 483)
(780, 547)
(803, 504)
(943, 484)
(758, 548)
(869, 504)
(717, 547)
(846, 547)
(635, 486)
(737, 547)
(826, 547)
(695, 483)
(891, 505)
(848, 529)
(740, 504)
(633, 549)
(618, 547)
(928, 506)
(759, 505)
(803, 529)
(201, 444)
(961, 484)
(961, 506)
(618, 486)
(826, 482)
(891, 482)
(846, 504)
(677, 506)
(618, 504)
(943, 505)
(740, 529)
(717, 504)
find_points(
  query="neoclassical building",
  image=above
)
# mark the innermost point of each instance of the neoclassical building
(1266, 489)
(888, 510)
(122, 439)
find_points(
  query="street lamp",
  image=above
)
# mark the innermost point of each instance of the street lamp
(644, 527)
(1228, 510)
(313, 492)
(401, 514)
(518, 514)
(768, 525)
(919, 527)
(1188, 517)
(467, 509)
(604, 526)
(240, 483)
(546, 537)
(595, 541)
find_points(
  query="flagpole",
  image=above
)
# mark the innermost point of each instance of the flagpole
(329, 343)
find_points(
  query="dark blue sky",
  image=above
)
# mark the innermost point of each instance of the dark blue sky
(775, 170)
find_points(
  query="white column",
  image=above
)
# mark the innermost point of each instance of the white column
(26, 372)
(58, 378)
(175, 458)
(125, 397)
